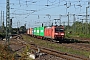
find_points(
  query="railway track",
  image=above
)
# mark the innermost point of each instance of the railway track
(62, 55)
(79, 46)
(59, 54)
(87, 40)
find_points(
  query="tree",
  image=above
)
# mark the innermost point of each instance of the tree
(22, 29)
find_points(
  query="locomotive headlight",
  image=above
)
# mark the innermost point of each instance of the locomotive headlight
(62, 33)
(56, 33)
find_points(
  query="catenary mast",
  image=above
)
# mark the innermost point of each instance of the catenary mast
(8, 33)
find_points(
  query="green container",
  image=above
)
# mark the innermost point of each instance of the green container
(41, 31)
(35, 31)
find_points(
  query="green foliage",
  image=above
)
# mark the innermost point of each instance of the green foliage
(5, 53)
(22, 29)
(78, 28)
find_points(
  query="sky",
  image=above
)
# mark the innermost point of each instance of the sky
(35, 12)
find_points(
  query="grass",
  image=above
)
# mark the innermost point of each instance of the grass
(78, 35)
(56, 46)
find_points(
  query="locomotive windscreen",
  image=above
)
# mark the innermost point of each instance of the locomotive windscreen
(59, 30)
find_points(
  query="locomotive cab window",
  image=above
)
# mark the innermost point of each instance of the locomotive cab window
(59, 30)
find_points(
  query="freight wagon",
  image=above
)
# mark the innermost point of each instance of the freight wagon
(28, 31)
(39, 32)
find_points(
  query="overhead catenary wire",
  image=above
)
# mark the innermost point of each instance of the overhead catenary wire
(52, 1)
(51, 4)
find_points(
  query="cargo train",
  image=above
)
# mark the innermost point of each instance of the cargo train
(54, 32)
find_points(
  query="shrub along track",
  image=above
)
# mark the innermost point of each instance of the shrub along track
(9, 52)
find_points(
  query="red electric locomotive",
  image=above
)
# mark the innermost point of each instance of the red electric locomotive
(54, 32)
(59, 32)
